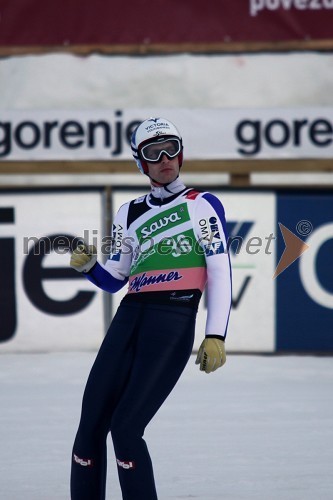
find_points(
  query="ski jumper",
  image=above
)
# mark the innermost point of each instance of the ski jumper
(167, 246)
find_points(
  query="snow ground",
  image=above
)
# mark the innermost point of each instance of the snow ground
(258, 429)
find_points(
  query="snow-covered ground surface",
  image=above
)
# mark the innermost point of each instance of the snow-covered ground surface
(261, 428)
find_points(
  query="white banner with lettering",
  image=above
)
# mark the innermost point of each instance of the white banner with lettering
(45, 305)
(209, 134)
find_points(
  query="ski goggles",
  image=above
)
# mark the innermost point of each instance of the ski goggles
(153, 151)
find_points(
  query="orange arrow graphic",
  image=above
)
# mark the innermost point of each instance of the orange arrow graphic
(294, 249)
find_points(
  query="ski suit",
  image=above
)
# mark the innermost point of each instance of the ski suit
(168, 250)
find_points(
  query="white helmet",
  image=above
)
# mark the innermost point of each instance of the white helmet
(151, 131)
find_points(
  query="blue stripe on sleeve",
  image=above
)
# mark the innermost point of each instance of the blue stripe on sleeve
(218, 207)
(104, 280)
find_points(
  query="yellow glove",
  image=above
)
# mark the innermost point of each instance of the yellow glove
(211, 354)
(83, 258)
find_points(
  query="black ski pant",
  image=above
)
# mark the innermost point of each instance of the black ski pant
(140, 360)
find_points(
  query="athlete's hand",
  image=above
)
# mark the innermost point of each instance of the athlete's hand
(83, 258)
(211, 354)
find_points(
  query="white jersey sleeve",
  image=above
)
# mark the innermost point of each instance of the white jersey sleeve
(210, 227)
(121, 251)
(113, 275)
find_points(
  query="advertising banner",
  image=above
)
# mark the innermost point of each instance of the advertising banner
(44, 304)
(250, 224)
(305, 290)
(209, 134)
(124, 24)
(280, 247)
